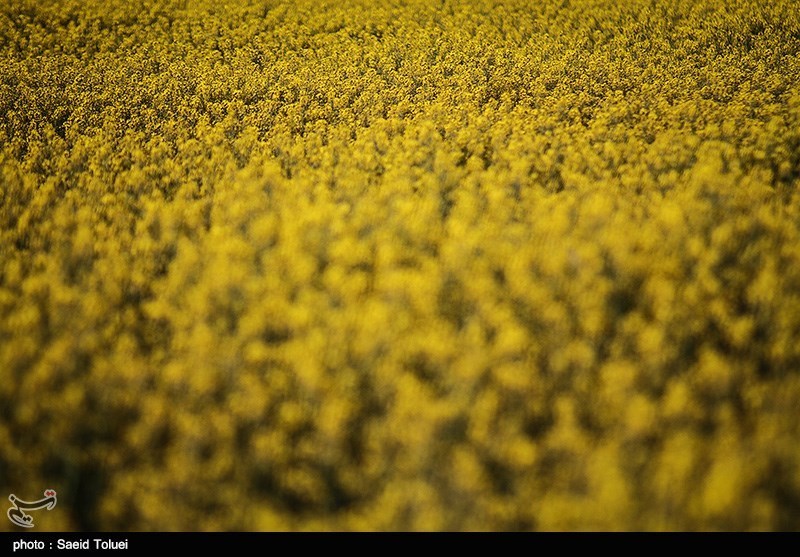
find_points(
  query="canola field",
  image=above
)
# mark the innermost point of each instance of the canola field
(400, 264)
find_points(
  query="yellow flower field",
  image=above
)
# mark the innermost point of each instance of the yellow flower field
(400, 264)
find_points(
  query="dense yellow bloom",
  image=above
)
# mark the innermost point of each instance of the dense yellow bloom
(471, 264)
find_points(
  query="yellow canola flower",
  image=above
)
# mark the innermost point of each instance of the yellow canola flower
(401, 265)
